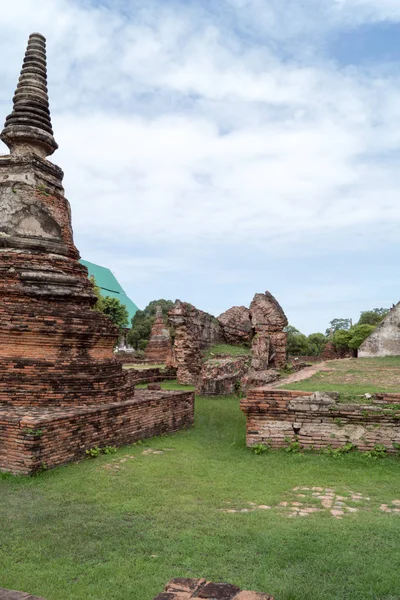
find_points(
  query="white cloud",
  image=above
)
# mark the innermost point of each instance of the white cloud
(180, 129)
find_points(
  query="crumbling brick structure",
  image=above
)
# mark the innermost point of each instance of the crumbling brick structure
(270, 340)
(56, 352)
(195, 331)
(319, 420)
(159, 347)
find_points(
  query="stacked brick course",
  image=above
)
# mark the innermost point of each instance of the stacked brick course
(195, 331)
(58, 372)
(319, 420)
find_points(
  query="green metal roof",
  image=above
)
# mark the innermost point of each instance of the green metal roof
(109, 286)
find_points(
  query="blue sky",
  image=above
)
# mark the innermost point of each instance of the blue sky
(213, 150)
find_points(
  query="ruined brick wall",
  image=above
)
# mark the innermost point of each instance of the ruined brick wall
(270, 341)
(195, 331)
(136, 376)
(319, 421)
(222, 376)
(237, 327)
(33, 439)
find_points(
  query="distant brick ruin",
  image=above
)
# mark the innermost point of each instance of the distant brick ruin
(260, 327)
(385, 339)
(58, 374)
(159, 347)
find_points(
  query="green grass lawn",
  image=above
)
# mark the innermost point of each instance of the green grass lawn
(228, 349)
(354, 376)
(104, 529)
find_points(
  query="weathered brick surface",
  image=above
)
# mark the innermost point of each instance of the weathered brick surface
(222, 376)
(196, 589)
(195, 331)
(136, 376)
(319, 421)
(58, 372)
(33, 438)
(159, 347)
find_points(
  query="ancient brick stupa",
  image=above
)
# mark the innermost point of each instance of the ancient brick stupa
(56, 352)
(159, 347)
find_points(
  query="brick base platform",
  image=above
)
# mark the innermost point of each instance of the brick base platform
(276, 417)
(33, 439)
(196, 589)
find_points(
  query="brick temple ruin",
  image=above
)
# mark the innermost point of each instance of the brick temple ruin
(159, 347)
(275, 418)
(61, 388)
(260, 328)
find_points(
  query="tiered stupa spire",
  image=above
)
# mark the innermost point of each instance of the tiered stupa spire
(28, 128)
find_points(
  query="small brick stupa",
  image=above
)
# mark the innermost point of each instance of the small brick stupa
(59, 379)
(159, 346)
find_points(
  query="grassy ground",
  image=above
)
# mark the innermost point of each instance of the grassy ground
(122, 525)
(228, 349)
(354, 376)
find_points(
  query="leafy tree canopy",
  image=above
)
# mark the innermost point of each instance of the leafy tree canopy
(116, 311)
(300, 345)
(359, 333)
(372, 317)
(337, 324)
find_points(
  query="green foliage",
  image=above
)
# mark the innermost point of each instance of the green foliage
(37, 433)
(301, 345)
(341, 339)
(96, 451)
(99, 304)
(93, 452)
(139, 335)
(109, 449)
(338, 452)
(379, 451)
(116, 311)
(297, 343)
(359, 333)
(337, 324)
(259, 449)
(316, 343)
(293, 446)
(372, 317)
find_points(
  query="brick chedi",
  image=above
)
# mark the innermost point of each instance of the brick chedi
(56, 352)
(159, 346)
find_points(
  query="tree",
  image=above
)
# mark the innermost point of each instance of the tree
(359, 333)
(341, 339)
(143, 320)
(297, 343)
(97, 292)
(337, 324)
(316, 343)
(116, 311)
(372, 317)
